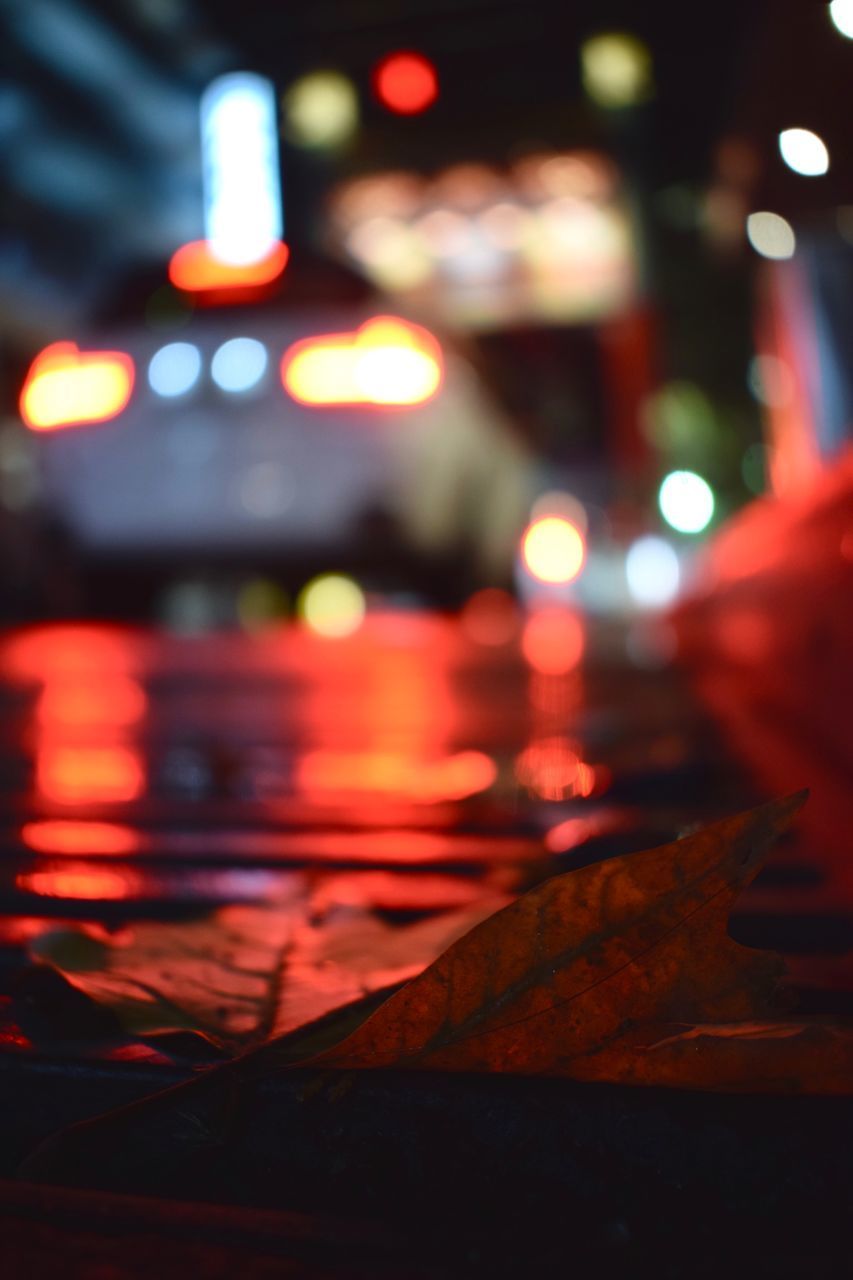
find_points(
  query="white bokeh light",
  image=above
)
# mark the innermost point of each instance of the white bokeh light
(174, 369)
(771, 235)
(239, 364)
(686, 501)
(804, 152)
(652, 571)
(841, 13)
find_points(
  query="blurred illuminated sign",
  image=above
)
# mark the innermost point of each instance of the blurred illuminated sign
(239, 141)
(549, 240)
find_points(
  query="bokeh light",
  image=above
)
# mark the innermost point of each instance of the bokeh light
(332, 605)
(89, 774)
(616, 69)
(490, 617)
(804, 152)
(72, 837)
(652, 572)
(239, 364)
(553, 550)
(194, 268)
(321, 110)
(385, 362)
(66, 386)
(771, 235)
(553, 641)
(174, 369)
(686, 501)
(841, 13)
(406, 83)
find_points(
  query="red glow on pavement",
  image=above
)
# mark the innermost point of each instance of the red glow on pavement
(82, 884)
(89, 775)
(406, 83)
(428, 781)
(551, 770)
(79, 837)
(553, 641)
(67, 649)
(114, 700)
(490, 617)
(68, 387)
(194, 269)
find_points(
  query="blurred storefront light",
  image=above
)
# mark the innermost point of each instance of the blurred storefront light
(406, 83)
(239, 364)
(174, 369)
(652, 572)
(771, 235)
(616, 69)
(67, 387)
(804, 152)
(686, 501)
(321, 110)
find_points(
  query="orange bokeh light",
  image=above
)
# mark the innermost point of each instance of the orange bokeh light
(553, 641)
(385, 362)
(55, 836)
(80, 775)
(68, 387)
(194, 269)
(553, 550)
(406, 83)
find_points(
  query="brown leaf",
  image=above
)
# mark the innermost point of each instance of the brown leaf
(611, 972)
(247, 973)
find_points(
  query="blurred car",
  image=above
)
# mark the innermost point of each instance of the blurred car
(311, 438)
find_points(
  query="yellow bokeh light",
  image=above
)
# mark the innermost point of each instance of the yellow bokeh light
(321, 110)
(386, 362)
(332, 605)
(553, 550)
(67, 386)
(616, 69)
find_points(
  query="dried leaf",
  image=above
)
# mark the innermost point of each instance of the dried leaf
(622, 970)
(245, 973)
(215, 976)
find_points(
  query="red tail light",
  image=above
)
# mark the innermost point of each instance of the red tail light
(385, 362)
(194, 269)
(66, 387)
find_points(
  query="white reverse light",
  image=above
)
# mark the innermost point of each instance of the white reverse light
(239, 364)
(174, 369)
(686, 501)
(804, 152)
(652, 571)
(771, 235)
(239, 139)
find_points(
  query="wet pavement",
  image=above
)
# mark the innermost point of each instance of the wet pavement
(222, 838)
